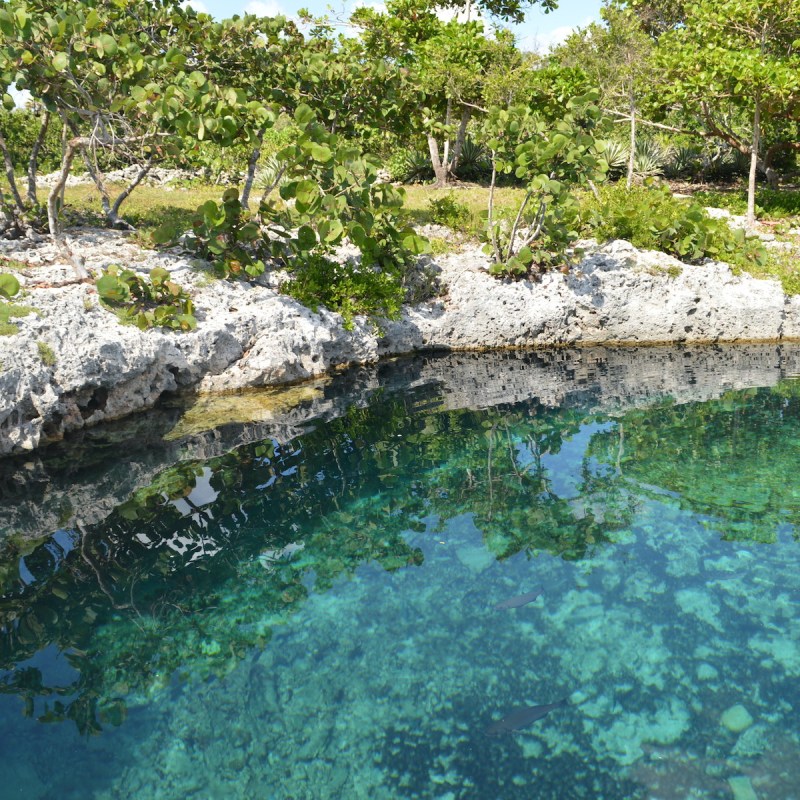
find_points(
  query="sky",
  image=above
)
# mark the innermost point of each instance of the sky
(538, 32)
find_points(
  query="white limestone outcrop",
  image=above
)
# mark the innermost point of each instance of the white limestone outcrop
(251, 335)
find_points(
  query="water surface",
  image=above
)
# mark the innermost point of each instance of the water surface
(311, 614)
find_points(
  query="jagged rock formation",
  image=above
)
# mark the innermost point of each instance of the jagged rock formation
(250, 335)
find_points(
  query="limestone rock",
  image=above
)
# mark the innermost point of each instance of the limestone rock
(249, 335)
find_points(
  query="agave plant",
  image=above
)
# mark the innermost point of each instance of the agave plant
(270, 173)
(416, 167)
(474, 163)
(616, 155)
(685, 163)
(650, 157)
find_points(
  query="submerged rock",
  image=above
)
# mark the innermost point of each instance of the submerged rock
(736, 719)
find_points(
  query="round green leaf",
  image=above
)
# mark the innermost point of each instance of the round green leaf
(306, 238)
(60, 61)
(9, 285)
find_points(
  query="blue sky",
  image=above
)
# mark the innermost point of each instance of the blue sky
(537, 32)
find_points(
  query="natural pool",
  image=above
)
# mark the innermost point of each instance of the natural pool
(305, 605)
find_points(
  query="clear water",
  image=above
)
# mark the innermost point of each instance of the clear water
(316, 619)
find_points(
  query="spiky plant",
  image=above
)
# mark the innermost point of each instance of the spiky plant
(474, 163)
(650, 157)
(616, 155)
(685, 163)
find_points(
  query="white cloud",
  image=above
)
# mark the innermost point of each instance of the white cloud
(198, 5)
(263, 8)
(544, 42)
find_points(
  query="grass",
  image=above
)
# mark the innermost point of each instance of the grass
(46, 354)
(475, 198)
(7, 312)
(771, 205)
(146, 208)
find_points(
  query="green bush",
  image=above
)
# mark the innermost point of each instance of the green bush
(225, 235)
(347, 288)
(770, 203)
(446, 210)
(146, 303)
(649, 217)
(551, 160)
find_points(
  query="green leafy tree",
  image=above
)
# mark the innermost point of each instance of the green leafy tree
(549, 159)
(120, 76)
(737, 59)
(448, 66)
(617, 57)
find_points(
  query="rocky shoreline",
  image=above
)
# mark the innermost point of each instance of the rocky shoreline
(250, 335)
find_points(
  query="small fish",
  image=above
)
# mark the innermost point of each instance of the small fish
(519, 601)
(521, 718)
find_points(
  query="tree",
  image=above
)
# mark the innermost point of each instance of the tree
(448, 66)
(123, 76)
(549, 158)
(618, 58)
(737, 57)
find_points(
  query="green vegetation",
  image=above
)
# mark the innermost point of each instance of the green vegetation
(46, 354)
(651, 218)
(9, 287)
(307, 122)
(146, 303)
(770, 204)
(7, 312)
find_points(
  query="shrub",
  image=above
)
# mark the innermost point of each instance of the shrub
(549, 159)
(223, 234)
(649, 217)
(348, 288)
(146, 303)
(446, 210)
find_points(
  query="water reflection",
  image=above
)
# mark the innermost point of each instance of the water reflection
(359, 565)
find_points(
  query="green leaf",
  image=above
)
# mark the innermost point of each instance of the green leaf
(306, 192)
(306, 238)
(304, 114)
(9, 285)
(60, 61)
(164, 233)
(416, 244)
(321, 153)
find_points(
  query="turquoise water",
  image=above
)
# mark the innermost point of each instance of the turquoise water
(315, 618)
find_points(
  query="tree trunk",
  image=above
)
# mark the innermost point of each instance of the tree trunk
(439, 169)
(461, 137)
(446, 154)
(113, 218)
(12, 183)
(252, 163)
(632, 154)
(56, 192)
(33, 161)
(751, 181)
